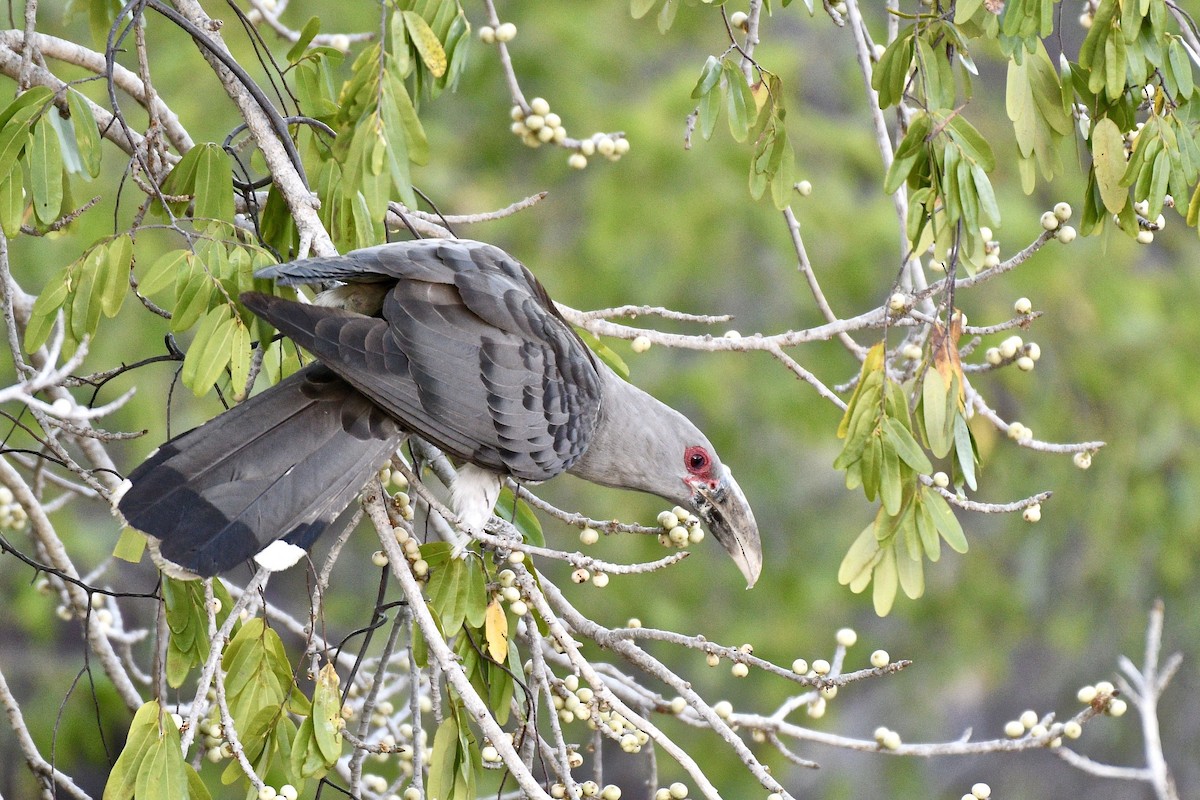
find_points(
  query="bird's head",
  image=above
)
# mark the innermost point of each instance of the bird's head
(715, 497)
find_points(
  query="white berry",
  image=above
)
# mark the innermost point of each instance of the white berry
(821, 666)
(1062, 211)
(1032, 513)
(740, 670)
(898, 301)
(993, 357)
(487, 34)
(982, 790)
(640, 344)
(589, 536)
(799, 666)
(723, 709)
(1066, 234)
(880, 658)
(506, 32)
(1145, 237)
(941, 480)
(1013, 729)
(1117, 707)
(738, 19)
(1025, 364)
(804, 188)
(1072, 729)
(1029, 718)
(1023, 305)
(1083, 460)
(1050, 221)
(379, 558)
(520, 608)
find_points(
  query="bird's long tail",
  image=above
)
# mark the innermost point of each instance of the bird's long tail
(282, 466)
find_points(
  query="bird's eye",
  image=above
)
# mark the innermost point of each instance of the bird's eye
(696, 459)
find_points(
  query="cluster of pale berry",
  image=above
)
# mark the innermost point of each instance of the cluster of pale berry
(503, 33)
(12, 514)
(583, 575)
(573, 702)
(539, 125)
(400, 499)
(508, 591)
(1103, 693)
(979, 791)
(680, 527)
(739, 669)
(676, 791)
(1014, 349)
(1055, 221)
(1029, 725)
(1147, 227)
(589, 789)
(887, 738)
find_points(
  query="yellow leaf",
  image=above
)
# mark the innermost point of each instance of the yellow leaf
(1108, 160)
(426, 42)
(761, 94)
(943, 345)
(495, 628)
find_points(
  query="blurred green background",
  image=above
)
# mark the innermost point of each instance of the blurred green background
(1027, 616)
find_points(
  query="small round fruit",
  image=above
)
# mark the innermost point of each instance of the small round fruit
(1145, 237)
(520, 608)
(846, 637)
(1072, 729)
(1025, 364)
(1083, 460)
(941, 480)
(506, 32)
(1086, 694)
(1117, 707)
(821, 666)
(880, 658)
(577, 161)
(1066, 234)
(898, 301)
(589, 536)
(1062, 211)
(993, 357)
(1032, 513)
(1023, 305)
(740, 670)
(799, 666)
(738, 19)
(805, 188)
(1050, 222)
(1013, 729)
(982, 790)
(539, 106)
(640, 344)
(379, 558)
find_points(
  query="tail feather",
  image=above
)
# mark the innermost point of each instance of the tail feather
(282, 465)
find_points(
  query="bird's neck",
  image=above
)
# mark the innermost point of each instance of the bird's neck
(634, 437)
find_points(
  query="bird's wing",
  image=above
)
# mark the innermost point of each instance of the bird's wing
(469, 353)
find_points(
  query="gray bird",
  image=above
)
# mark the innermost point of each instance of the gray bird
(454, 341)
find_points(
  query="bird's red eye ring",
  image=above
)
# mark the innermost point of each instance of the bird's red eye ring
(697, 460)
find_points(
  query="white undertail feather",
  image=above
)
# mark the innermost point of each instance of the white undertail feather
(474, 495)
(279, 555)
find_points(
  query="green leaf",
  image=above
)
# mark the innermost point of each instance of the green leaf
(307, 34)
(164, 270)
(640, 8)
(426, 42)
(45, 171)
(945, 521)
(163, 774)
(214, 184)
(911, 574)
(191, 298)
(209, 354)
(891, 488)
(45, 311)
(964, 450)
(710, 76)
(860, 560)
(115, 264)
(239, 359)
(901, 439)
(885, 581)
(16, 119)
(911, 151)
(130, 546)
(522, 518)
(444, 760)
(87, 135)
(971, 142)
(926, 529)
(739, 101)
(934, 406)
(1108, 161)
(666, 15)
(1181, 68)
(604, 352)
(448, 589)
(327, 714)
(143, 732)
(85, 305)
(12, 203)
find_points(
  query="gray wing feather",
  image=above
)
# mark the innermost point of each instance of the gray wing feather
(470, 352)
